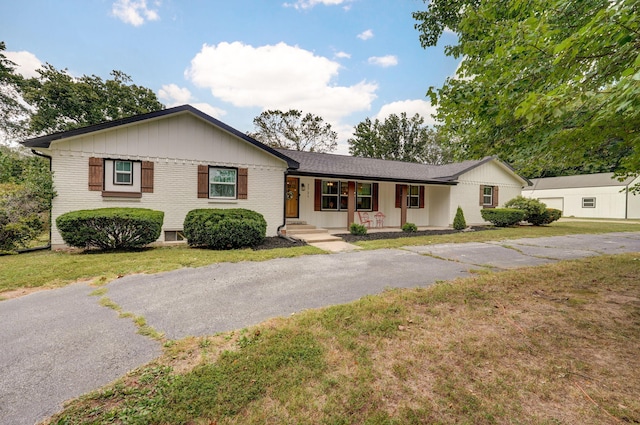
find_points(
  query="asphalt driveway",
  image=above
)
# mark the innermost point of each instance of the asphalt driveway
(56, 345)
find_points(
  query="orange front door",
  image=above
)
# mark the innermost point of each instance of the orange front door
(292, 208)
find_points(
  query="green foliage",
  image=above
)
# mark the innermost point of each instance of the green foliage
(15, 234)
(292, 130)
(535, 212)
(533, 208)
(459, 223)
(552, 87)
(224, 228)
(399, 138)
(12, 110)
(409, 228)
(548, 216)
(26, 190)
(502, 217)
(63, 102)
(357, 229)
(110, 228)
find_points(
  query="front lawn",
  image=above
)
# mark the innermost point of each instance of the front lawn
(556, 344)
(47, 269)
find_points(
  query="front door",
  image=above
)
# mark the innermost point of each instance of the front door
(292, 206)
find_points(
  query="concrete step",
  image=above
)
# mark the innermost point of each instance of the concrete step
(305, 226)
(293, 232)
(315, 237)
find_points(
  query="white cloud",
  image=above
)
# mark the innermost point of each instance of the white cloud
(173, 95)
(134, 12)
(210, 110)
(384, 61)
(365, 35)
(342, 55)
(277, 77)
(411, 107)
(308, 4)
(26, 63)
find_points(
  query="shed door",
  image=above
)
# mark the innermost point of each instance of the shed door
(292, 196)
(556, 203)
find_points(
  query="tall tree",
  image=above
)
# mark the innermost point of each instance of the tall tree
(13, 112)
(552, 86)
(292, 130)
(63, 102)
(399, 138)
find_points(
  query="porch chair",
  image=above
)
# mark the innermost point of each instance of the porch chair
(379, 219)
(364, 219)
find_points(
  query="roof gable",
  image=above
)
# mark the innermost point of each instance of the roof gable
(45, 141)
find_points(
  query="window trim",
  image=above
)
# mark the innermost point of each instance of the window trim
(589, 200)
(360, 196)
(234, 184)
(411, 196)
(490, 195)
(339, 195)
(116, 172)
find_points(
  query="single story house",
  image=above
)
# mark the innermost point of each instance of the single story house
(587, 195)
(180, 159)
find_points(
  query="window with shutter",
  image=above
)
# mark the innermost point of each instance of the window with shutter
(488, 196)
(120, 178)
(222, 182)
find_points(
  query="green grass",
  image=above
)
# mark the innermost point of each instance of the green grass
(554, 229)
(53, 269)
(540, 345)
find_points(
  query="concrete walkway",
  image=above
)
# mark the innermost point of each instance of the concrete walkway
(59, 344)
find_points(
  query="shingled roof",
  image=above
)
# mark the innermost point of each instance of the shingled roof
(581, 180)
(343, 166)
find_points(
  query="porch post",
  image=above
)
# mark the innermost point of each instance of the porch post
(403, 205)
(351, 203)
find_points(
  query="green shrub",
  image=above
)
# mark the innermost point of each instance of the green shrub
(459, 223)
(409, 227)
(502, 217)
(548, 216)
(357, 229)
(15, 235)
(533, 209)
(224, 228)
(21, 217)
(110, 228)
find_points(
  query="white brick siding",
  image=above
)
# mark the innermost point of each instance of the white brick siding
(176, 145)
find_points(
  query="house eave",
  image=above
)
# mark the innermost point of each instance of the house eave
(372, 178)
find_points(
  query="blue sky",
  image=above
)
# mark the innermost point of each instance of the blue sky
(344, 60)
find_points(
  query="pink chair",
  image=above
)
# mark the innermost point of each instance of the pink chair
(364, 219)
(379, 219)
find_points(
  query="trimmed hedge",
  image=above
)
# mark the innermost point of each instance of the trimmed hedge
(533, 208)
(548, 216)
(502, 217)
(224, 228)
(110, 228)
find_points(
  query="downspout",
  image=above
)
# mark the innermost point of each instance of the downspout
(47, 246)
(626, 202)
(284, 213)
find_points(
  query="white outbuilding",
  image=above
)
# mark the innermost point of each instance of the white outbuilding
(588, 195)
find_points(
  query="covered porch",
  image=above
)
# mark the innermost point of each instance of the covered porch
(335, 203)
